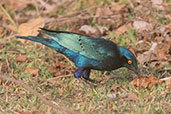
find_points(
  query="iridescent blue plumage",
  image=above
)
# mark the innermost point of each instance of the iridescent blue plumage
(87, 52)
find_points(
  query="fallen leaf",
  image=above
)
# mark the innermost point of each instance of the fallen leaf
(131, 97)
(31, 70)
(145, 81)
(117, 6)
(123, 29)
(30, 28)
(142, 25)
(20, 58)
(115, 87)
(87, 29)
(55, 71)
(104, 11)
(146, 56)
(52, 70)
(162, 50)
(61, 66)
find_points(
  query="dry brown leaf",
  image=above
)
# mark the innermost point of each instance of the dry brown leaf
(162, 50)
(131, 97)
(115, 87)
(117, 6)
(123, 29)
(20, 58)
(145, 81)
(61, 66)
(105, 11)
(146, 56)
(31, 70)
(30, 28)
(52, 70)
(55, 71)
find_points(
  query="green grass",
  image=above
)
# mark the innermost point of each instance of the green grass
(68, 92)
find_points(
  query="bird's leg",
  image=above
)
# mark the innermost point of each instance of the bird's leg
(86, 75)
(83, 74)
(78, 73)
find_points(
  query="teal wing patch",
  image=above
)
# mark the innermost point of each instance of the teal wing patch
(90, 47)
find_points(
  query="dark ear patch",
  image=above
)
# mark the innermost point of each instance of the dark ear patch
(124, 59)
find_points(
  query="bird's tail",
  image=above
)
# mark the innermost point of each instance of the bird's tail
(48, 42)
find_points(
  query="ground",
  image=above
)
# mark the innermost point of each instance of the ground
(142, 26)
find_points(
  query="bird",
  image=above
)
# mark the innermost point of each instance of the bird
(86, 52)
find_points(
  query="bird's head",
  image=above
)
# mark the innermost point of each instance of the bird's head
(129, 60)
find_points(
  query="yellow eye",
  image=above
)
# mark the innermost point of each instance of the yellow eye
(129, 62)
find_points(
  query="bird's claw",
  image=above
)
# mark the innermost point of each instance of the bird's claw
(89, 82)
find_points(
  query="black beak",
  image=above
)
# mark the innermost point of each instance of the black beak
(135, 70)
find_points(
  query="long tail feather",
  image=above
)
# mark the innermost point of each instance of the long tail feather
(36, 39)
(48, 42)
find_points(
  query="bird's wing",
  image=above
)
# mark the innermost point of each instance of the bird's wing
(90, 47)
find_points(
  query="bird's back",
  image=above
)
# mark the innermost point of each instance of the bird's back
(90, 47)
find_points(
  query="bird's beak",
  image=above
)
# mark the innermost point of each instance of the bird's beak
(135, 70)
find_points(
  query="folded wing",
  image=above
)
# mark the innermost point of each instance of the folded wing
(90, 47)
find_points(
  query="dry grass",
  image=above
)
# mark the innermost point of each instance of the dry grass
(60, 86)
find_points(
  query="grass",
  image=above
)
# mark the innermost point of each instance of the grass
(67, 91)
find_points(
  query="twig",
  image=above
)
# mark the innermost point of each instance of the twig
(165, 79)
(37, 9)
(8, 16)
(43, 99)
(62, 76)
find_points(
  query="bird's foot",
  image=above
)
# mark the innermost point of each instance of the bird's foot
(93, 81)
(86, 82)
(83, 76)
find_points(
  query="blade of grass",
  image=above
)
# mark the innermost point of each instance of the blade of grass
(8, 16)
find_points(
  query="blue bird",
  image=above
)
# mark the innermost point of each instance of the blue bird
(87, 52)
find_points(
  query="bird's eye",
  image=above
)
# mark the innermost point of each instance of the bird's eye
(129, 62)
